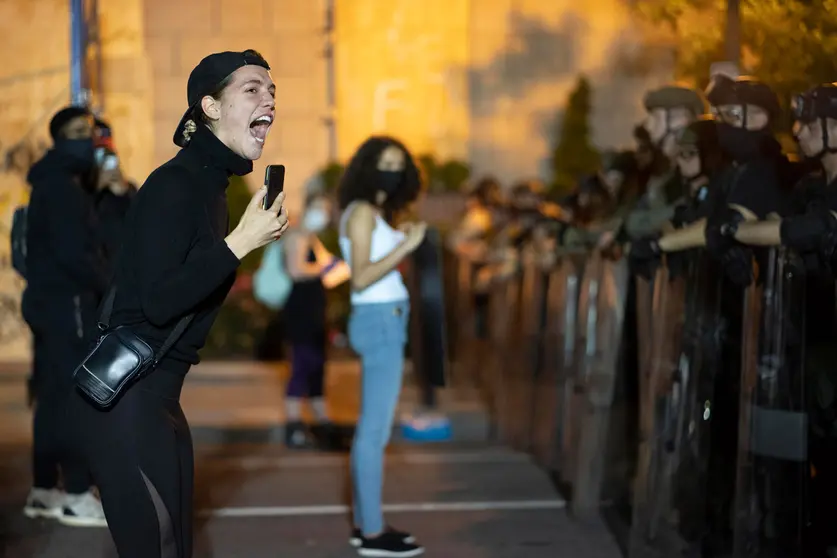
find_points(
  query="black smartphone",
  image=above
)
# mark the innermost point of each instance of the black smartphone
(274, 179)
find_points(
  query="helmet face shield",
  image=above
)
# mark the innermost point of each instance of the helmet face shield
(802, 108)
(819, 102)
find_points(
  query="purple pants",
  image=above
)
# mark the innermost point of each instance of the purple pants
(307, 371)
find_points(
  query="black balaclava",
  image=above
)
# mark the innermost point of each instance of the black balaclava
(740, 143)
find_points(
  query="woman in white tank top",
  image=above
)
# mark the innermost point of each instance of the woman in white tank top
(381, 179)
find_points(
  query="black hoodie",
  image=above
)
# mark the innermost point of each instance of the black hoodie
(66, 272)
(174, 260)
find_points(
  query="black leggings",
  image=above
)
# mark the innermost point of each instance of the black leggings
(52, 445)
(140, 454)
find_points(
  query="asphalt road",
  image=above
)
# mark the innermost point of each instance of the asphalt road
(262, 502)
(464, 499)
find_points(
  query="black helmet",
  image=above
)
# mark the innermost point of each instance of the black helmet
(819, 102)
(723, 90)
(675, 96)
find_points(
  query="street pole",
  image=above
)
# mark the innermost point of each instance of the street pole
(733, 34)
(94, 39)
(732, 44)
(78, 54)
(331, 92)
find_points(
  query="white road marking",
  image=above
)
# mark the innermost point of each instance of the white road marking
(416, 507)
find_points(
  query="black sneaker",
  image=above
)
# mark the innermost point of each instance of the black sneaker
(387, 545)
(327, 437)
(357, 536)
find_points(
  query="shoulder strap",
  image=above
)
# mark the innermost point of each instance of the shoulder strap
(107, 307)
(175, 334)
(182, 324)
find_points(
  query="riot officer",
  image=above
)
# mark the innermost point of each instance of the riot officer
(810, 228)
(700, 160)
(669, 109)
(752, 186)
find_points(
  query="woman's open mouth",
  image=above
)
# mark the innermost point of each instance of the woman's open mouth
(260, 127)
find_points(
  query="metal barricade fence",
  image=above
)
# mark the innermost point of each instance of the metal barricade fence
(548, 364)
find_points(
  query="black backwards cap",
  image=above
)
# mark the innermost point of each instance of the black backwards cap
(207, 76)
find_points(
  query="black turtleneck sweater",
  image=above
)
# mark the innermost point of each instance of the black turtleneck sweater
(174, 260)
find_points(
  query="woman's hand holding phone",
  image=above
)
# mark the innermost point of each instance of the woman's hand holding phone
(258, 227)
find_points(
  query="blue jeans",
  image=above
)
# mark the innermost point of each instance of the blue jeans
(378, 334)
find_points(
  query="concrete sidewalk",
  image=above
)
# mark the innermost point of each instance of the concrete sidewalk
(243, 402)
(255, 499)
(259, 501)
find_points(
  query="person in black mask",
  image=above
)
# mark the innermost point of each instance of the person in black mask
(755, 184)
(113, 199)
(809, 226)
(751, 186)
(380, 180)
(66, 279)
(699, 159)
(669, 110)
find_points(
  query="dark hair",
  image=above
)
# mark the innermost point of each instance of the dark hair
(100, 124)
(487, 190)
(198, 115)
(360, 180)
(64, 117)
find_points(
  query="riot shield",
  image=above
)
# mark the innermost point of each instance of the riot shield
(558, 340)
(491, 358)
(668, 516)
(604, 295)
(521, 357)
(773, 423)
(663, 398)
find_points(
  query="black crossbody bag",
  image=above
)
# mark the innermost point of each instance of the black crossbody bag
(119, 358)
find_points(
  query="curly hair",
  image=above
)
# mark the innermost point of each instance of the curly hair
(360, 180)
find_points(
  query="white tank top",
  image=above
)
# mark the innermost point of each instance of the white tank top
(390, 287)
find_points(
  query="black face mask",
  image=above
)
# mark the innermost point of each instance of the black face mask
(740, 143)
(389, 181)
(81, 151)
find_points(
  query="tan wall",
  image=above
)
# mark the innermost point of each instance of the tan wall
(486, 79)
(400, 71)
(34, 82)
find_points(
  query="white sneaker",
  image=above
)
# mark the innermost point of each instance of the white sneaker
(44, 502)
(83, 510)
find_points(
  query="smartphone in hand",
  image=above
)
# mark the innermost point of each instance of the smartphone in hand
(274, 179)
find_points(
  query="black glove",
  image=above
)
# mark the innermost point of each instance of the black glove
(681, 216)
(738, 265)
(815, 231)
(644, 257)
(720, 232)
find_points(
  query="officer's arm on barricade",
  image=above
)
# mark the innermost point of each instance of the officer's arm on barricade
(760, 233)
(694, 235)
(641, 223)
(690, 236)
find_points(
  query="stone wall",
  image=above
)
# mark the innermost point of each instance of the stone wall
(34, 82)
(486, 80)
